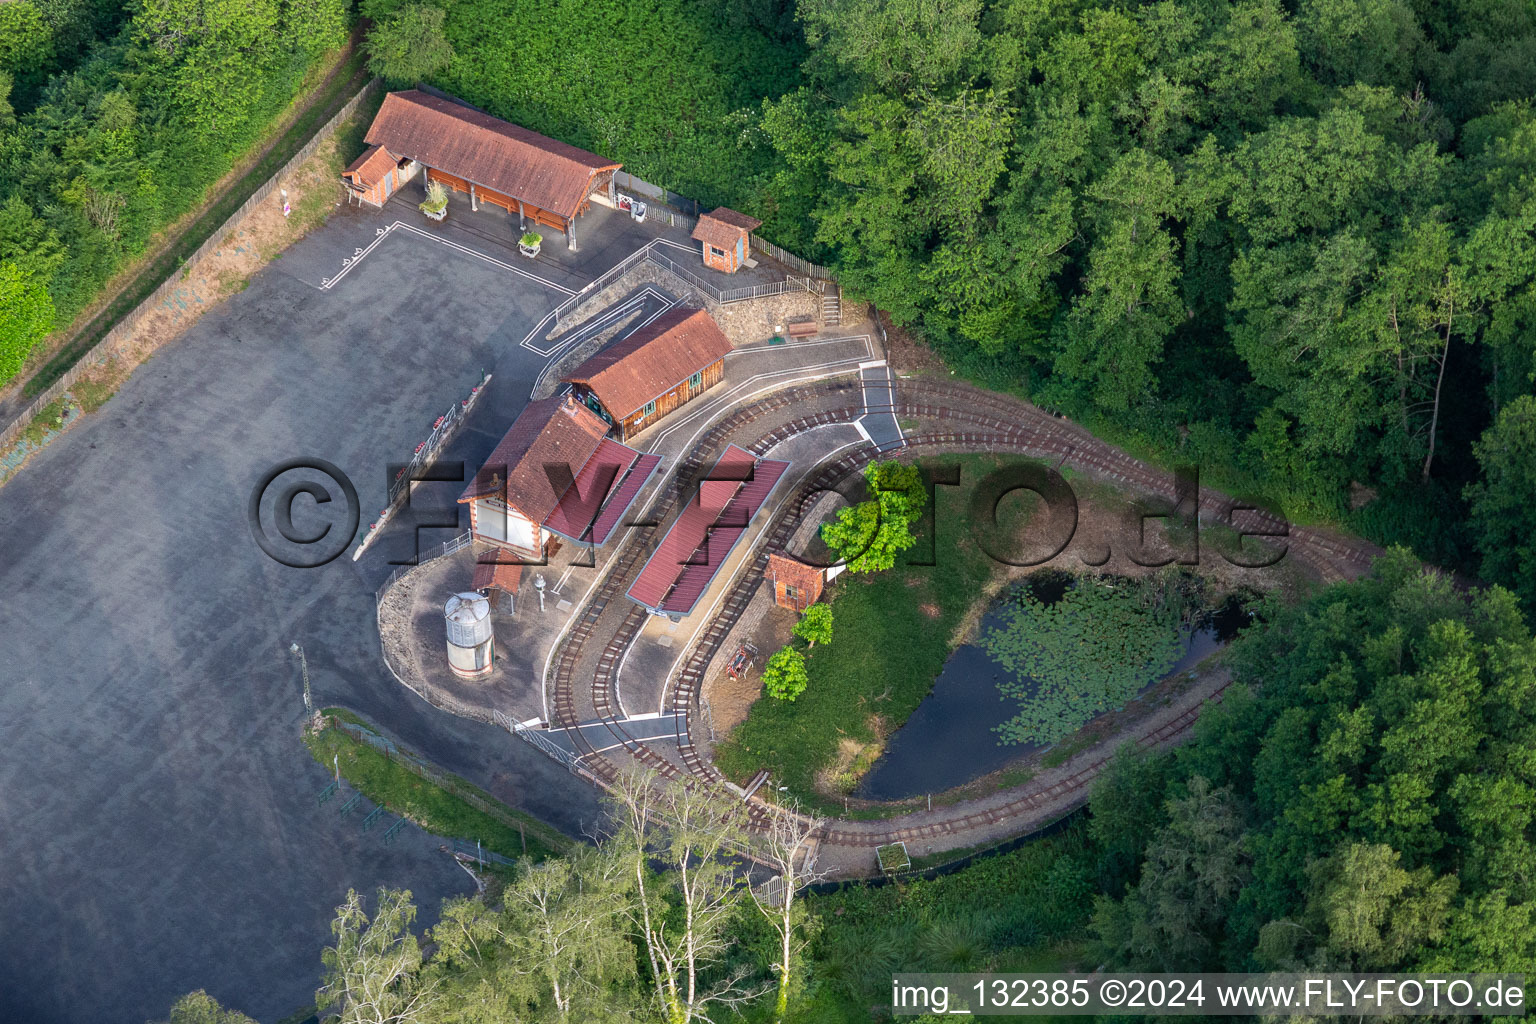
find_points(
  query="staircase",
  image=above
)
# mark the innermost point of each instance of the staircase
(831, 306)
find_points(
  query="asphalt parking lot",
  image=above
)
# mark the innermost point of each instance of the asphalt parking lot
(158, 817)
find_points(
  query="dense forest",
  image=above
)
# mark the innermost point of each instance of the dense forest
(114, 120)
(1362, 800)
(1291, 243)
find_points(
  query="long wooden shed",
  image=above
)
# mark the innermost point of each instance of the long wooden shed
(639, 379)
(538, 178)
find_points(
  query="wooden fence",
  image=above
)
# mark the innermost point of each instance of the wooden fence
(112, 342)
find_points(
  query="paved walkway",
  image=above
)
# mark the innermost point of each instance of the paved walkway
(879, 424)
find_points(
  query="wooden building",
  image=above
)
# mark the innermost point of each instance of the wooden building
(555, 473)
(538, 178)
(795, 584)
(636, 381)
(726, 238)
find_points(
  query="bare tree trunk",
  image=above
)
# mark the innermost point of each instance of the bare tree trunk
(1434, 418)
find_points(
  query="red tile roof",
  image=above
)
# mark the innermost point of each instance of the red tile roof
(596, 487)
(551, 432)
(490, 152)
(722, 226)
(495, 570)
(705, 532)
(370, 168)
(612, 512)
(652, 361)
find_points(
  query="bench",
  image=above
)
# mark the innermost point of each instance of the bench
(801, 328)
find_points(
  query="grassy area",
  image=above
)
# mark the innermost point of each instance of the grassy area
(330, 93)
(892, 633)
(454, 809)
(1025, 910)
(92, 394)
(47, 419)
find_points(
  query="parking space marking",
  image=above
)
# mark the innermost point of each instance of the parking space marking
(350, 263)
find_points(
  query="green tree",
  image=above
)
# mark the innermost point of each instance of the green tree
(26, 40)
(557, 943)
(1503, 510)
(373, 972)
(869, 535)
(1129, 301)
(784, 676)
(1196, 865)
(1376, 914)
(26, 315)
(815, 625)
(201, 1008)
(684, 915)
(408, 45)
(321, 24)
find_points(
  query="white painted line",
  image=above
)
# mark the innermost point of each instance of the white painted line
(858, 425)
(603, 318)
(733, 396)
(351, 264)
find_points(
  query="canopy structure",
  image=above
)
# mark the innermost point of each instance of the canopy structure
(705, 532)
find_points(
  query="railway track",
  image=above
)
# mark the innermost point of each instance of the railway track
(971, 420)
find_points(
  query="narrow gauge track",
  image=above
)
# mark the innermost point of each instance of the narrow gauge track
(977, 421)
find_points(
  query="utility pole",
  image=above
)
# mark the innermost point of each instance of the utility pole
(309, 703)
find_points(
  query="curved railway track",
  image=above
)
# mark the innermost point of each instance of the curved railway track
(972, 421)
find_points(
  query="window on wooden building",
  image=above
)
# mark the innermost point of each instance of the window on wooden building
(718, 254)
(696, 380)
(650, 408)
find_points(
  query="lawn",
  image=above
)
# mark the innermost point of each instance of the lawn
(454, 809)
(892, 633)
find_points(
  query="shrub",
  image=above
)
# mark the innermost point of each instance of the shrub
(815, 625)
(784, 676)
(437, 197)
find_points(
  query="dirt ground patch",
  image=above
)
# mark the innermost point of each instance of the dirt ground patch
(730, 699)
(908, 356)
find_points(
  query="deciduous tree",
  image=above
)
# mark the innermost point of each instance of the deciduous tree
(784, 675)
(815, 625)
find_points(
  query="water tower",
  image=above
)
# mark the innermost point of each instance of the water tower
(470, 640)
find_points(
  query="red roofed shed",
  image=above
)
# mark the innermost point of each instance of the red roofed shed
(795, 584)
(726, 238)
(538, 178)
(636, 381)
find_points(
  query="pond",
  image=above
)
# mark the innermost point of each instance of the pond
(949, 739)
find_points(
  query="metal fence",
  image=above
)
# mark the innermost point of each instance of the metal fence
(789, 259)
(452, 784)
(791, 283)
(544, 744)
(113, 341)
(448, 548)
(445, 427)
